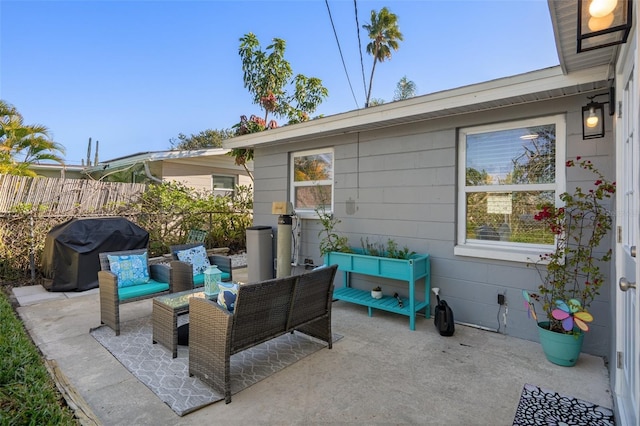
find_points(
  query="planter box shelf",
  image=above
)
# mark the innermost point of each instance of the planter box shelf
(409, 270)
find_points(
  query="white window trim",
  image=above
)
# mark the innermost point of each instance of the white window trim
(501, 250)
(309, 213)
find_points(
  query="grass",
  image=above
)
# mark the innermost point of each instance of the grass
(28, 395)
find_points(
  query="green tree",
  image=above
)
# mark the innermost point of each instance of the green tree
(384, 34)
(22, 145)
(205, 139)
(269, 78)
(405, 89)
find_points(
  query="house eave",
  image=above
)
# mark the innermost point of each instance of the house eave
(143, 157)
(57, 167)
(535, 86)
(564, 22)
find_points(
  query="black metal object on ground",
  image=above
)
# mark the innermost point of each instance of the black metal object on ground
(70, 257)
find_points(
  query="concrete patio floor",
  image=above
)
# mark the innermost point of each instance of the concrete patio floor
(379, 372)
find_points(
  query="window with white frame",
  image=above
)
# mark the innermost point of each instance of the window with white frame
(505, 171)
(312, 181)
(223, 184)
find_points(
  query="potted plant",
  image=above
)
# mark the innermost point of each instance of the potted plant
(331, 240)
(376, 292)
(391, 249)
(571, 275)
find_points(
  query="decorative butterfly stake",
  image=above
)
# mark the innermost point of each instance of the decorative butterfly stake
(571, 314)
(528, 303)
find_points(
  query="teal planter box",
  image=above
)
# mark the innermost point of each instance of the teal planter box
(410, 270)
(397, 269)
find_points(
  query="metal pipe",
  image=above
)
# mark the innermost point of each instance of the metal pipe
(148, 174)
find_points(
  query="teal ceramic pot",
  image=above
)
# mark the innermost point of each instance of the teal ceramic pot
(560, 349)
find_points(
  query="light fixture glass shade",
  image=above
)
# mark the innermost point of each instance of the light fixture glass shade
(593, 120)
(603, 23)
(601, 8)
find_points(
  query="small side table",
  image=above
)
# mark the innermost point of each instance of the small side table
(165, 313)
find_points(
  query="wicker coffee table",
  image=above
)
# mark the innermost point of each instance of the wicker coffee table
(165, 316)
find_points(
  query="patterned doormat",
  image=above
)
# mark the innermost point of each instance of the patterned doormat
(169, 377)
(543, 407)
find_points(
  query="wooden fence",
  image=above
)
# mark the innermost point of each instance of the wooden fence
(60, 196)
(31, 207)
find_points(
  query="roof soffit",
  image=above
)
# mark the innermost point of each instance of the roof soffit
(217, 155)
(564, 20)
(546, 84)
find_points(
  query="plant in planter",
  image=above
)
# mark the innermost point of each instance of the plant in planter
(376, 292)
(390, 250)
(571, 275)
(331, 240)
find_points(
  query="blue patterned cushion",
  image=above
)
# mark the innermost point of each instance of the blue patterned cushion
(130, 269)
(197, 257)
(228, 295)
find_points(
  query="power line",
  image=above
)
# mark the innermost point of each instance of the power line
(364, 82)
(341, 56)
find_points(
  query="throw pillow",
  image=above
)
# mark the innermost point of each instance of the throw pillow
(228, 296)
(130, 269)
(196, 256)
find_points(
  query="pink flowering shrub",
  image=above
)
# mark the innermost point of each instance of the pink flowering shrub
(571, 273)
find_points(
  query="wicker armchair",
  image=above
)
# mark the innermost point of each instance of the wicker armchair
(183, 272)
(111, 296)
(264, 310)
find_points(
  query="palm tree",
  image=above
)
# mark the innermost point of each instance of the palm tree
(376, 101)
(405, 89)
(384, 33)
(22, 145)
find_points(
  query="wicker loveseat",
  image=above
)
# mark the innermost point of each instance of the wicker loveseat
(263, 310)
(112, 295)
(183, 271)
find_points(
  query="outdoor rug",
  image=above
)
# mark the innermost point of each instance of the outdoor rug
(543, 407)
(169, 377)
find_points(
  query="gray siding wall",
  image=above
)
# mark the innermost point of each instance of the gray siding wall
(400, 183)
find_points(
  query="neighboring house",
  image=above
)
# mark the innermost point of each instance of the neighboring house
(398, 171)
(208, 169)
(52, 170)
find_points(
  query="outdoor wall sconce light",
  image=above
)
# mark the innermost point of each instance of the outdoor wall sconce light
(603, 23)
(592, 120)
(593, 115)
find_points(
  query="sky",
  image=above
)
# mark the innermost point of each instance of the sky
(135, 74)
